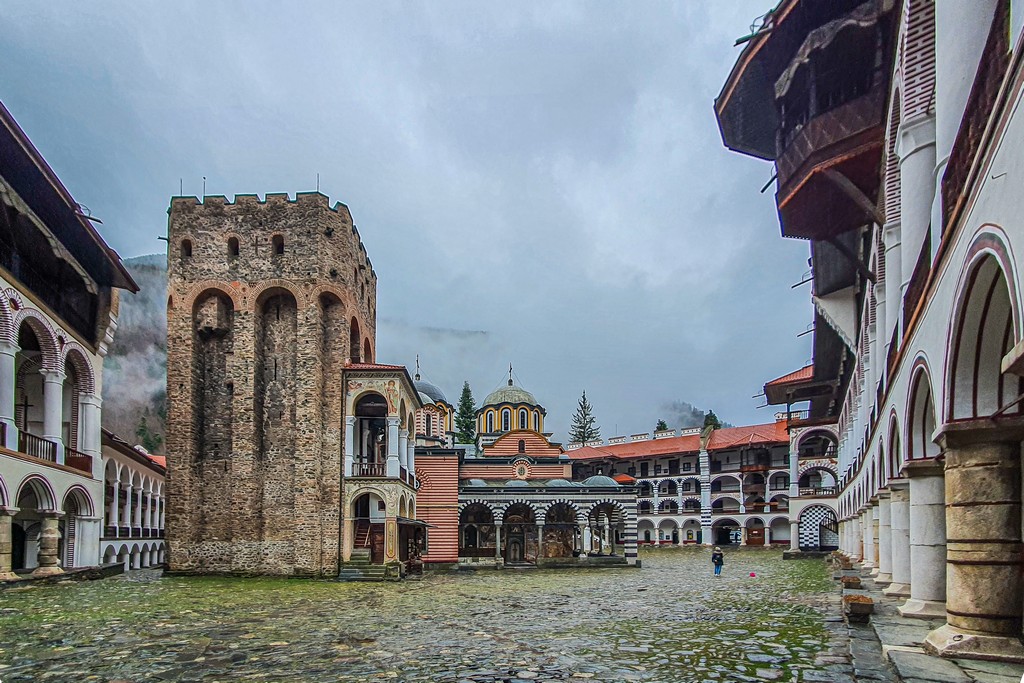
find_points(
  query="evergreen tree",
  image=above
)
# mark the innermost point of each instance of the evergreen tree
(711, 420)
(584, 427)
(661, 426)
(465, 416)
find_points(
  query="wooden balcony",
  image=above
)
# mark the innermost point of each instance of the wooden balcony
(78, 460)
(819, 491)
(369, 469)
(37, 447)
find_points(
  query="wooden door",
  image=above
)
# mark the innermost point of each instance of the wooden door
(377, 544)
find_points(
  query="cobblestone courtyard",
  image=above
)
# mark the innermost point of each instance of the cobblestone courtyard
(670, 621)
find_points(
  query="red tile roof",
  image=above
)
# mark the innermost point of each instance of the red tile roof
(158, 459)
(734, 437)
(802, 375)
(372, 366)
(721, 439)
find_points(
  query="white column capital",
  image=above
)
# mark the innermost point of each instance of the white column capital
(53, 376)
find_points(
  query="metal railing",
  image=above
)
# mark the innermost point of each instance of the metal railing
(37, 446)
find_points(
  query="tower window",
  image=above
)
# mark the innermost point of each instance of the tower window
(277, 242)
(490, 423)
(186, 249)
(524, 419)
(232, 246)
(536, 422)
(506, 419)
(522, 445)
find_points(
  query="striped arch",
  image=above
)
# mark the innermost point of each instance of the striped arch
(43, 490)
(568, 503)
(807, 467)
(8, 332)
(687, 499)
(81, 496)
(476, 501)
(75, 353)
(618, 508)
(691, 478)
(983, 326)
(44, 332)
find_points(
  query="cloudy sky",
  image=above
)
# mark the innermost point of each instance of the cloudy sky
(541, 183)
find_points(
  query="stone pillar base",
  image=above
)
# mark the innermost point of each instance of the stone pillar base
(47, 571)
(897, 590)
(874, 572)
(867, 565)
(950, 641)
(923, 609)
(9, 576)
(883, 579)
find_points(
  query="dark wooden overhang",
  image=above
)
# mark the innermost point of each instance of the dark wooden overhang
(24, 168)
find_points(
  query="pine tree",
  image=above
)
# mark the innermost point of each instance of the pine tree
(584, 427)
(465, 417)
(661, 426)
(711, 420)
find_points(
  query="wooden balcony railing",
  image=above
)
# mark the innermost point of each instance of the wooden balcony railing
(369, 469)
(78, 460)
(37, 446)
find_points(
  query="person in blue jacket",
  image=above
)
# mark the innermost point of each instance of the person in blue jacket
(717, 559)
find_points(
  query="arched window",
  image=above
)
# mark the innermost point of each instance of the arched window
(536, 421)
(506, 420)
(232, 247)
(430, 424)
(277, 242)
(524, 419)
(186, 249)
(490, 423)
(522, 445)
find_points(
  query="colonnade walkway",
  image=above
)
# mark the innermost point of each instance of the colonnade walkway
(902, 639)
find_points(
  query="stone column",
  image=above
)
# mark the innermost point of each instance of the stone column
(743, 535)
(128, 508)
(49, 562)
(7, 389)
(900, 538)
(393, 463)
(403, 448)
(137, 515)
(927, 541)
(411, 456)
(6, 543)
(985, 585)
(89, 413)
(884, 577)
(794, 470)
(874, 537)
(856, 528)
(350, 444)
(869, 538)
(498, 556)
(115, 509)
(149, 510)
(794, 534)
(583, 540)
(53, 409)
(540, 540)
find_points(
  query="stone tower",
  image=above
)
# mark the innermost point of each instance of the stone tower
(267, 301)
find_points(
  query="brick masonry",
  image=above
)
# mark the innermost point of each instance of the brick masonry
(266, 301)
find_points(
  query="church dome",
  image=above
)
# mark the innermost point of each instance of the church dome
(600, 480)
(560, 483)
(510, 394)
(431, 390)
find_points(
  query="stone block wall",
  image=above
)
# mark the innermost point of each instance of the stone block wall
(266, 302)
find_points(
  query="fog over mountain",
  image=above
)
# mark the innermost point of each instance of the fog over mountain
(135, 370)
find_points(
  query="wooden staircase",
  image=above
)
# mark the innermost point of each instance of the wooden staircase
(359, 567)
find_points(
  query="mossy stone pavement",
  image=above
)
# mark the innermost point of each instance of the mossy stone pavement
(670, 621)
